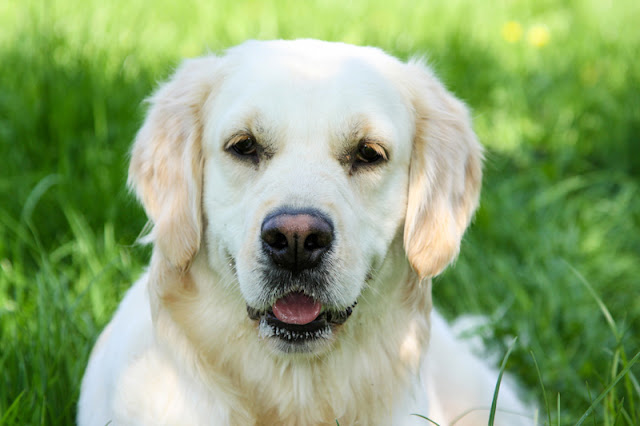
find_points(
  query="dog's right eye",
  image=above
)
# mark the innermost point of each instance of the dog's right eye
(244, 146)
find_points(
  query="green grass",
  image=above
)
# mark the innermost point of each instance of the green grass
(553, 256)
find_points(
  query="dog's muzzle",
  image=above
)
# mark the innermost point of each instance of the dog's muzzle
(295, 245)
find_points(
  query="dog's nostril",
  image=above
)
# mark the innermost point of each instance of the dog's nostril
(318, 240)
(311, 242)
(275, 240)
(280, 242)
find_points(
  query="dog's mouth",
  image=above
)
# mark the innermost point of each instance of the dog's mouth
(297, 318)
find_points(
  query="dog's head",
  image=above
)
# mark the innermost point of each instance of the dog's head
(297, 167)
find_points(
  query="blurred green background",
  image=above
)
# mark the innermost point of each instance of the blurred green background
(553, 256)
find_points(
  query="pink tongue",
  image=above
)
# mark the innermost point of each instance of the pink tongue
(296, 308)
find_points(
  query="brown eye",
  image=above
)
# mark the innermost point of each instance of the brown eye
(246, 146)
(368, 154)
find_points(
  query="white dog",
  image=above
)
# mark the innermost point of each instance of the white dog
(302, 195)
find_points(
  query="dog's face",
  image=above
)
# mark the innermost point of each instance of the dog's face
(305, 184)
(299, 164)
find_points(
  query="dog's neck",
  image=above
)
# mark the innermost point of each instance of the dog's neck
(375, 354)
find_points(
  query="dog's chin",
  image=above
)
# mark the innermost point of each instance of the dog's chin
(313, 337)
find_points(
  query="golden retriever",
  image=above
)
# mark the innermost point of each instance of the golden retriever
(302, 195)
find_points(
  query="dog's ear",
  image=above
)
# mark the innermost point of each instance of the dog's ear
(445, 174)
(167, 162)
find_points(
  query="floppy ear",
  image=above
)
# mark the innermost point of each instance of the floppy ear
(445, 174)
(167, 162)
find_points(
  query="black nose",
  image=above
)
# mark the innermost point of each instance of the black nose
(296, 240)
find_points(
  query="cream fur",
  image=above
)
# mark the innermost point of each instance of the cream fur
(181, 348)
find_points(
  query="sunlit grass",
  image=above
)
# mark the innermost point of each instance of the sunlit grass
(553, 256)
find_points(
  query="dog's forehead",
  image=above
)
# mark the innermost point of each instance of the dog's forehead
(311, 58)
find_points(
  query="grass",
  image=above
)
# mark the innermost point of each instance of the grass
(553, 256)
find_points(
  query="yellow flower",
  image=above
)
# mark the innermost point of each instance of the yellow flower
(512, 31)
(538, 36)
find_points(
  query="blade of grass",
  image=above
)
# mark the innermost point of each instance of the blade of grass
(614, 329)
(591, 401)
(12, 412)
(426, 418)
(635, 383)
(503, 366)
(544, 391)
(36, 194)
(608, 389)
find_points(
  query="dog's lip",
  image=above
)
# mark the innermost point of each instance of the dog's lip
(311, 327)
(328, 316)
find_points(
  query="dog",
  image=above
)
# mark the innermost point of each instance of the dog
(302, 194)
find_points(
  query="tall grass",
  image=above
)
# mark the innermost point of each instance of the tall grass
(553, 256)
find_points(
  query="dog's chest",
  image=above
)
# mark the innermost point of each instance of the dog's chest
(374, 389)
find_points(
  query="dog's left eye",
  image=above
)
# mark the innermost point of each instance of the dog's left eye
(369, 153)
(245, 147)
